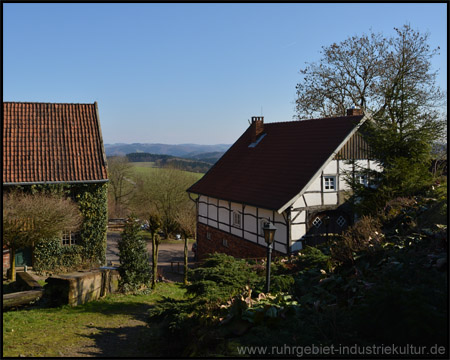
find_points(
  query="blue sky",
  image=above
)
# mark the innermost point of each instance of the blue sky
(186, 73)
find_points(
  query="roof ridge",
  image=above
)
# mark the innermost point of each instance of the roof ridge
(42, 102)
(316, 119)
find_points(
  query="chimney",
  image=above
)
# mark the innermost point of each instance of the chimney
(257, 127)
(354, 112)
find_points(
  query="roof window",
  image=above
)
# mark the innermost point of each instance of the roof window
(253, 144)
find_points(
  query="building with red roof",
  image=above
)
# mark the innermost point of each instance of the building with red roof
(49, 145)
(292, 174)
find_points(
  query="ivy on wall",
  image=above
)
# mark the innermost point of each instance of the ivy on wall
(51, 255)
(92, 200)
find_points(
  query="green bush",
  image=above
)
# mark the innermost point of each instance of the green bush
(134, 270)
(51, 256)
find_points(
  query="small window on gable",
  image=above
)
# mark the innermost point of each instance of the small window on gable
(236, 219)
(329, 183)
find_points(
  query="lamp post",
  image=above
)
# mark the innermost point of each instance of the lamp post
(269, 234)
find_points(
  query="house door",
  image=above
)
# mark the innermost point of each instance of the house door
(23, 257)
(326, 223)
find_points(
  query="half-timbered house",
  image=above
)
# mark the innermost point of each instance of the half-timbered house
(293, 174)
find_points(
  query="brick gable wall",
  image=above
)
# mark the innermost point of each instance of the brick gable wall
(237, 247)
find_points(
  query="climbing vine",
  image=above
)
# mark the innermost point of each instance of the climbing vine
(51, 255)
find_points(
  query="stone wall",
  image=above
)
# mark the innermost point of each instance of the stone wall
(223, 242)
(81, 287)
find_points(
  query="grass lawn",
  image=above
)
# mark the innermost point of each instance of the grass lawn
(145, 168)
(114, 326)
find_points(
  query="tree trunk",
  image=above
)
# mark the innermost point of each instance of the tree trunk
(12, 264)
(154, 263)
(185, 260)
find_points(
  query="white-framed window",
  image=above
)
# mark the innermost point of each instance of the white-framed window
(317, 222)
(329, 183)
(361, 179)
(69, 238)
(236, 219)
(225, 242)
(341, 221)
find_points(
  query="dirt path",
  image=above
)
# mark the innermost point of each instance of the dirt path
(167, 253)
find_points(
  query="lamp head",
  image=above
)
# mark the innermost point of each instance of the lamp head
(269, 232)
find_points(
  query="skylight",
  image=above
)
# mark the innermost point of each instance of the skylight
(252, 145)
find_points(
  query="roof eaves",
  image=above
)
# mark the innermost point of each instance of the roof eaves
(56, 182)
(333, 154)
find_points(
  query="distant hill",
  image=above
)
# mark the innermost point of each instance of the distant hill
(210, 157)
(162, 160)
(182, 150)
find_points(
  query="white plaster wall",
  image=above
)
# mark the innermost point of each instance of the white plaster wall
(202, 207)
(212, 208)
(331, 168)
(249, 220)
(202, 210)
(298, 216)
(236, 231)
(374, 165)
(280, 224)
(313, 199)
(344, 166)
(297, 231)
(299, 203)
(330, 198)
(315, 186)
(224, 216)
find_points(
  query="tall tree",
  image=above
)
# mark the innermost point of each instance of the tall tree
(31, 218)
(392, 80)
(187, 222)
(163, 192)
(134, 267)
(154, 225)
(120, 184)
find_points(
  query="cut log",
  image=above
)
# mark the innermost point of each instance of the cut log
(27, 281)
(21, 298)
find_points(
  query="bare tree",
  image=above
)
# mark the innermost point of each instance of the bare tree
(154, 225)
(367, 71)
(120, 184)
(164, 192)
(187, 222)
(29, 219)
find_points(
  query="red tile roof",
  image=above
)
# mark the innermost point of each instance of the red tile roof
(46, 142)
(276, 170)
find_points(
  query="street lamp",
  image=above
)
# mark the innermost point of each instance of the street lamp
(269, 234)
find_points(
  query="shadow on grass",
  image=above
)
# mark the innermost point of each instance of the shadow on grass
(126, 341)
